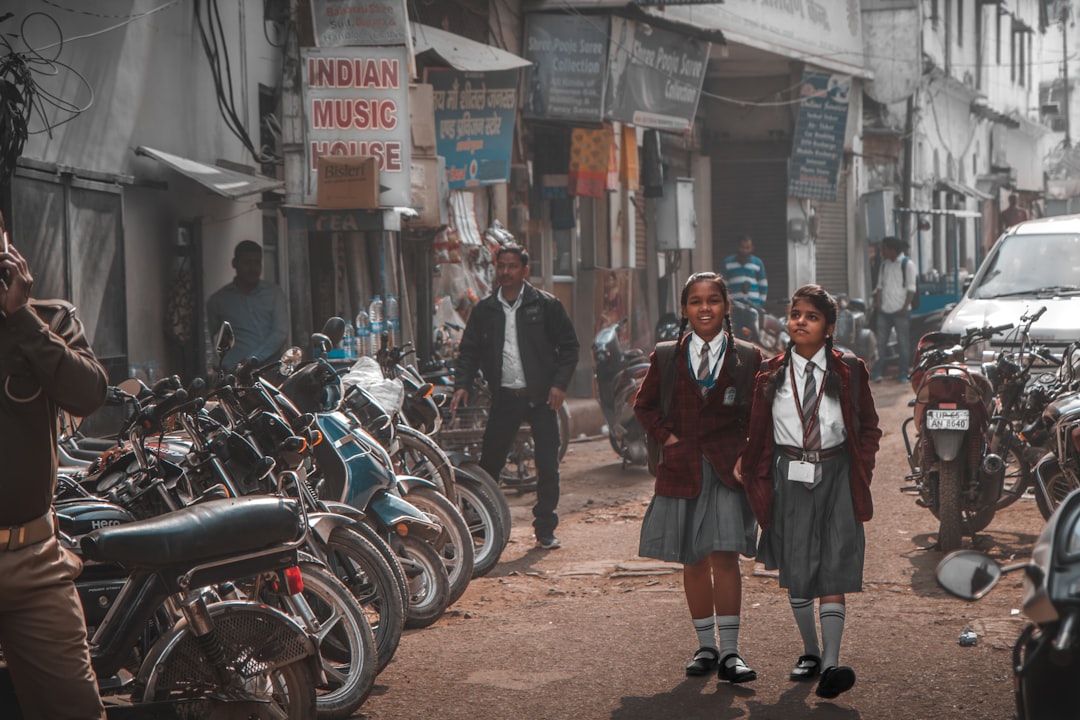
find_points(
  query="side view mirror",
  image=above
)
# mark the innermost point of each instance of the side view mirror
(290, 360)
(321, 345)
(226, 338)
(968, 574)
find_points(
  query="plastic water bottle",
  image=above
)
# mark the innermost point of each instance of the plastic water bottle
(393, 320)
(348, 342)
(363, 334)
(375, 316)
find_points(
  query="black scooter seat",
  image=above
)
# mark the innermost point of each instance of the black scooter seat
(207, 531)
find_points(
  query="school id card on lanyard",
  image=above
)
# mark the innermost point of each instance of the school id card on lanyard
(802, 471)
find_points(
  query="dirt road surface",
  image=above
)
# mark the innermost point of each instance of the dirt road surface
(593, 631)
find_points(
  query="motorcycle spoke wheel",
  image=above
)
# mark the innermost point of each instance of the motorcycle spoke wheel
(481, 478)
(1017, 472)
(419, 456)
(1058, 486)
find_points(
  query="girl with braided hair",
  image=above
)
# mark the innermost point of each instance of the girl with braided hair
(699, 515)
(807, 468)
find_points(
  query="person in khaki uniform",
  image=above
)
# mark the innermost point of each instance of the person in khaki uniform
(46, 364)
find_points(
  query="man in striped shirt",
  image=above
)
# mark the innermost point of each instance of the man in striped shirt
(744, 274)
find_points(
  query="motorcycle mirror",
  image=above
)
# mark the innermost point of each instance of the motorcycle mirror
(321, 344)
(132, 386)
(290, 360)
(225, 338)
(334, 329)
(968, 574)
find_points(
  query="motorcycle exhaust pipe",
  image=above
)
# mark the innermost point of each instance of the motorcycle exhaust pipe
(991, 478)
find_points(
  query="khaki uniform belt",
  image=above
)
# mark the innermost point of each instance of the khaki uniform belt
(29, 533)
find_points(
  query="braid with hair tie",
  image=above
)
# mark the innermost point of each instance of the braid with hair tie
(777, 376)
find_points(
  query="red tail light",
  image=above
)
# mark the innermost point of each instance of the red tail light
(294, 580)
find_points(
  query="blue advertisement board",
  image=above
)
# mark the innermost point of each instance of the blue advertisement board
(818, 146)
(474, 124)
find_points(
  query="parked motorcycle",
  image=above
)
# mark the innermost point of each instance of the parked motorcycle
(1045, 659)
(166, 646)
(752, 324)
(956, 477)
(1058, 472)
(619, 374)
(853, 332)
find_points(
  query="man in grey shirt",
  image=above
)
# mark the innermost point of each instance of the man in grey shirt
(255, 308)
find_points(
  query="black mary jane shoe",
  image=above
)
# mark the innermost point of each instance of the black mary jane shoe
(807, 668)
(737, 672)
(704, 662)
(835, 680)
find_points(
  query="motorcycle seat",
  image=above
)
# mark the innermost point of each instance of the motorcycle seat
(196, 534)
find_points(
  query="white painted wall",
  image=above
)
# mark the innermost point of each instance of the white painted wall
(151, 85)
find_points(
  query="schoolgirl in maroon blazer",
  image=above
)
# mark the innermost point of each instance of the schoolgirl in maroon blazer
(699, 515)
(807, 470)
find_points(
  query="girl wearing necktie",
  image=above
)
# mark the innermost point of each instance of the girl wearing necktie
(699, 515)
(813, 439)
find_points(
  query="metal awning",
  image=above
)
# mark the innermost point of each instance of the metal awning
(461, 53)
(960, 188)
(227, 183)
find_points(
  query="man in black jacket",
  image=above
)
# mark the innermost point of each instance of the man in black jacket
(524, 343)
(46, 364)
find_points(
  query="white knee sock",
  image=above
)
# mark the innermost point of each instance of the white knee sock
(728, 626)
(706, 632)
(803, 609)
(832, 632)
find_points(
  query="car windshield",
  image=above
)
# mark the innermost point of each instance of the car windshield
(1031, 265)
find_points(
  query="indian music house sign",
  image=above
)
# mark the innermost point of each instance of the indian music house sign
(357, 104)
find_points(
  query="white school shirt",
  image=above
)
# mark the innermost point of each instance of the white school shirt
(716, 353)
(787, 425)
(513, 374)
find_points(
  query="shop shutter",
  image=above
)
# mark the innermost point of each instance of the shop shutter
(831, 271)
(750, 197)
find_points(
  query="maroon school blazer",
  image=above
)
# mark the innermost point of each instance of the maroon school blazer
(863, 438)
(703, 425)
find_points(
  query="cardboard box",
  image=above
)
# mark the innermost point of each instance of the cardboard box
(348, 182)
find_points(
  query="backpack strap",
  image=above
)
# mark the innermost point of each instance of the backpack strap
(853, 362)
(665, 360)
(745, 372)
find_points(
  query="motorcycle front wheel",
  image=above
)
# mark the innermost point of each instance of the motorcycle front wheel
(1057, 485)
(1017, 472)
(481, 513)
(429, 585)
(456, 547)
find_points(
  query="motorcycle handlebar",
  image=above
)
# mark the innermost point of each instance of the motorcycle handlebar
(985, 332)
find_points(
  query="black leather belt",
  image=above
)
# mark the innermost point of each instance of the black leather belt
(812, 456)
(17, 537)
(515, 392)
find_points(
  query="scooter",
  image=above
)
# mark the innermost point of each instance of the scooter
(1045, 659)
(956, 476)
(619, 374)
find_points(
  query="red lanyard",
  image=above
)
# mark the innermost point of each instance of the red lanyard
(806, 423)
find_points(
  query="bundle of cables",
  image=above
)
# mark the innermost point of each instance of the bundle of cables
(15, 108)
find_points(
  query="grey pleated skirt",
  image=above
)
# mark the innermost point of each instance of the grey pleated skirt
(813, 537)
(685, 530)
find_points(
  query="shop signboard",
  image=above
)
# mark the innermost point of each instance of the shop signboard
(474, 124)
(569, 58)
(356, 104)
(655, 76)
(337, 23)
(818, 147)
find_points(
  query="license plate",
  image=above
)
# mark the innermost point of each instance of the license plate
(947, 419)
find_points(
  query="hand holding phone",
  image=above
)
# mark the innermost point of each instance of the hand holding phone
(5, 276)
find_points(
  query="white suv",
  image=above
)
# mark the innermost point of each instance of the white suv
(1034, 264)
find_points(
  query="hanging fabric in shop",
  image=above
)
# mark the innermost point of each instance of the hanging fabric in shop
(613, 165)
(555, 187)
(463, 217)
(551, 161)
(589, 153)
(629, 167)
